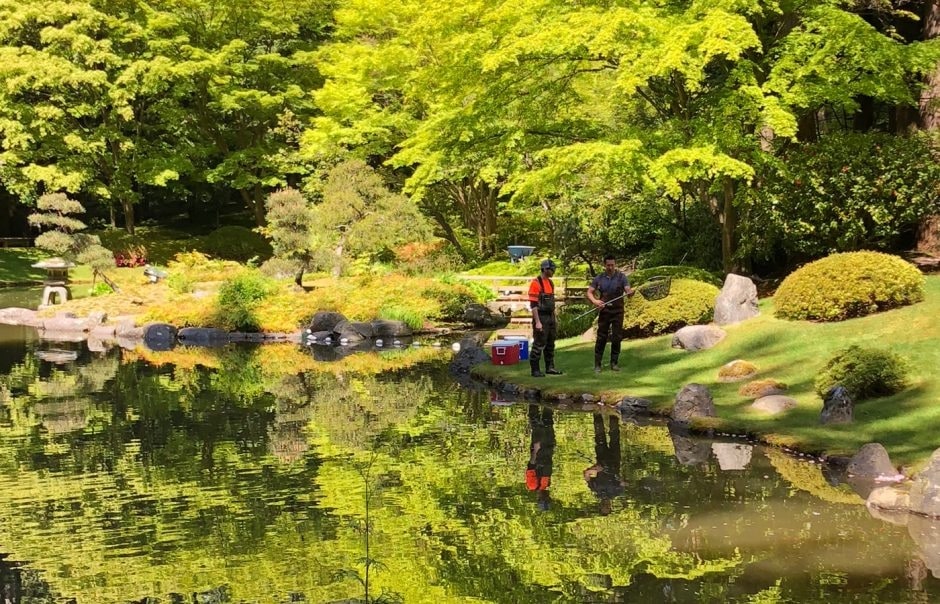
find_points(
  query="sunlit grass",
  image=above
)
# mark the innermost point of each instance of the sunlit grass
(793, 352)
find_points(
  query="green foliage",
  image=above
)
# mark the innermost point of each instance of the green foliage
(180, 282)
(100, 289)
(480, 291)
(452, 300)
(359, 215)
(160, 244)
(852, 284)
(570, 323)
(236, 243)
(688, 303)
(642, 275)
(846, 192)
(864, 372)
(410, 316)
(239, 297)
(64, 239)
(525, 267)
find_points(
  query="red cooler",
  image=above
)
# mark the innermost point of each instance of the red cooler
(504, 352)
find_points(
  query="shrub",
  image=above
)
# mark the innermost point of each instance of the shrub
(864, 372)
(688, 303)
(453, 300)
(239, 297)
(481, 292)
(853, 284)
(570, 321)
(409, 316)
(237, 243)
(641, 276)
(180, 282)
(100, 289)
(131, 256)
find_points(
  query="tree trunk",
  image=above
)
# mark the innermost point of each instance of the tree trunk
(929, 231)
(807, 127)
(338, 256)
(930, 97)
(729, 223)
(255, 203)
(128, 207)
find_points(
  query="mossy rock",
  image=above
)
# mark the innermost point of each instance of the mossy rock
(864, 372)
(689, 303)
(736, 371)
(641, 276)
(853, 284)
(758, 388)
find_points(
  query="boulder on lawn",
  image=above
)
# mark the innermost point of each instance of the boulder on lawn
(693, 401)
(737, 370)
(774, 404)
(737, 300)
(838, 407)
(697, 337)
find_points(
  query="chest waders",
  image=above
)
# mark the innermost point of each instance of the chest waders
(544, 340)
(609, 327)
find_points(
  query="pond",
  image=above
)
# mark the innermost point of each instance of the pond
(256, 474)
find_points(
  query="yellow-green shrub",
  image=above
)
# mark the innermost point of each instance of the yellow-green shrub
(688, 303)
(853, 284)
(864, 372)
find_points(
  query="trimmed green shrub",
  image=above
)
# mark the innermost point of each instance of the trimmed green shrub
(641, 276)
(864, 372)
(482, 292)
(689, 302)
(238, 298)
(570, 323)
(237, 243)
(852, 284)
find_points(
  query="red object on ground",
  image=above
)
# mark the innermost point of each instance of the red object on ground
(504, 352)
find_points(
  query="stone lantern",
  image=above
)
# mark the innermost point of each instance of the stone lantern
(56, 289)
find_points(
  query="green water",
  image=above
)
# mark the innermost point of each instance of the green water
(227, 476)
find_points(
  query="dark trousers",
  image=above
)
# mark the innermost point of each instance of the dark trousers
(609, 327)
(544, 341)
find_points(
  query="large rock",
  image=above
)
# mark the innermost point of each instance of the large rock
(872, 461)
(384, 328)
(65, 324)
(206, 337)
(481, 316)
(325, 321)
(774, 404)
(632, 405)
(891, 504)
(693, 401)
(838, 408)
(925, 491)
(470, 353)
(19, 316)
(352, 332)
(737, 300)
(159, 336)
(732, 456)
(697, 337)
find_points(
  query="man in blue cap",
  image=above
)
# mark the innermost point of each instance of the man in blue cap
(544, 324)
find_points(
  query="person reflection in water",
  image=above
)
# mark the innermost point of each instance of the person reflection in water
(538, 472)
(603, 478)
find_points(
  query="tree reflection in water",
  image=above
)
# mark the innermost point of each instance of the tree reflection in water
(240, 478)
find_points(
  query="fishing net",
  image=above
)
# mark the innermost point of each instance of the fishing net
(656, 288)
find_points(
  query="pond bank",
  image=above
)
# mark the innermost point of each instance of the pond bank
(789, 352)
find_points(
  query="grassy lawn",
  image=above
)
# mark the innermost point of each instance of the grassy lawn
(16, 267)
(907, 424)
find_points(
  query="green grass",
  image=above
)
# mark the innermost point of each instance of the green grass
(16, 267)
(794, 352)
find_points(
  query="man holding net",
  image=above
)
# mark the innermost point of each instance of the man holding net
(607, 292)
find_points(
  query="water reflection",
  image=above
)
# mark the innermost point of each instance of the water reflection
(235, 476)
(603, 478)
(538, 473)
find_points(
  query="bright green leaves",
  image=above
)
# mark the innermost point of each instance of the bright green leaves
(835, 56)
